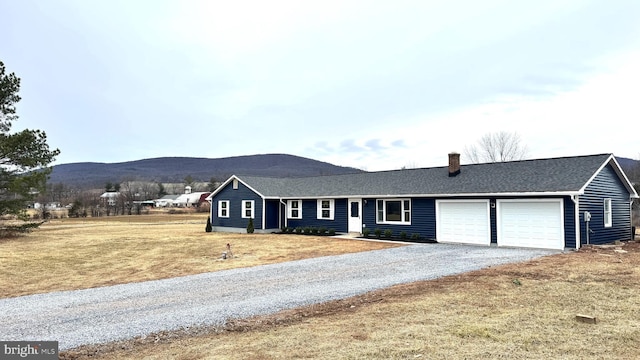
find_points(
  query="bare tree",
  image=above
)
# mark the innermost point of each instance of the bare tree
(496, 147)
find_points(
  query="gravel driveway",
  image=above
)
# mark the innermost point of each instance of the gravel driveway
(123, 311)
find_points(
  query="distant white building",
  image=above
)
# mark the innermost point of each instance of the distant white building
(190, 198)
(110, 198)
(165, 201)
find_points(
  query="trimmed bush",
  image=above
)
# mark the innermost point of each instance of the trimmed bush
(299, 230)
(366, 232)
(322, 231)
(388, 233)
(403, 235)
(415, 236)
(250, 228)
(332, 232)
(378, 233)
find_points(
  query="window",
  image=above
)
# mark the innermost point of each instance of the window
(223, 208)
(608, 218)
(294, 209)
(235, 184)
(248, 209)
(325, 209)
(394, 211)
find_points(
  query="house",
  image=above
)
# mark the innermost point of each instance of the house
(556, 203)
(110, 198)
(165, 201)
(190, 198)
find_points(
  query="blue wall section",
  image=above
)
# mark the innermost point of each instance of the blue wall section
(606, 184)
(271, 214)
(569, 223)
(310, 216)
(235, 198)
(423, 218)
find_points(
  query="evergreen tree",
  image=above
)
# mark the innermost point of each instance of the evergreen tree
(208, 228)
(24, 155)
(250, 228)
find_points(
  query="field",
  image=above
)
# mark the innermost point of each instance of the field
(519, 311)
(67, 254)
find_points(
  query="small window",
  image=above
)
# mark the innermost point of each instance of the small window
(394, 211)
(235, 184)
(248, 209)
(608, 218)
(294, 209)
(325, 209)
(223, 208)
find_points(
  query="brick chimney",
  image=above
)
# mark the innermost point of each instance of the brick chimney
(454, 164)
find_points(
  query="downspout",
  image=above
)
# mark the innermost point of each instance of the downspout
(280, 215)
(264, 217)
(576, 211)
(633, 235)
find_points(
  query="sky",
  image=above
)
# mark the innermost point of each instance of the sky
(375, 85)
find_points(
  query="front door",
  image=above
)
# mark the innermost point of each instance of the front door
(355, 215)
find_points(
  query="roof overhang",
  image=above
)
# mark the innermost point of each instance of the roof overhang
(224, 184)
(475, 195)
(618, 170)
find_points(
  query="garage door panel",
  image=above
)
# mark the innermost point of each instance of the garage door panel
(536, 224)
(463, 222)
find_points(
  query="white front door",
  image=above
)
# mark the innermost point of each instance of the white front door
(355, 215)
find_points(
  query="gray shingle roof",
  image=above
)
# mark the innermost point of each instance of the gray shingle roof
(565, 175)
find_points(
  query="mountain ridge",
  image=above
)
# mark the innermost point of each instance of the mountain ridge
(176, 169)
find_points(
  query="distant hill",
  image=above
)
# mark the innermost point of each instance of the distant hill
(175, 169)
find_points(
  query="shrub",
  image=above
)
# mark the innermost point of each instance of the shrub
(415, 236)
(290, 230)
(366, 232)
(250, 228)
(208, 228)
(378, 233)
(332, 232)
(314, 231)
(403, 235)
(307, 230)
(298, 230)
(322, 231)
(388, 233)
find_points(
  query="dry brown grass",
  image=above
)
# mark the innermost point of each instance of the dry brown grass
(82, 253)
(519, 311)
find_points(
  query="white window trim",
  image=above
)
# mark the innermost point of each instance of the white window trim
(402, 215)
(220, 208)
(608, 214)
(290, 209)
(331, 209)
(244, 208)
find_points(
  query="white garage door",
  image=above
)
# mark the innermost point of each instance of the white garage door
(463, 221)
(537, 224)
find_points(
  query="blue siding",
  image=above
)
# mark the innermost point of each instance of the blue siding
(606, 184)
(310, 216)
(423, 218)
(235, 198)
(271, 214)
(569, 223)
